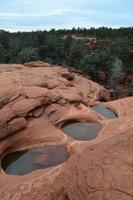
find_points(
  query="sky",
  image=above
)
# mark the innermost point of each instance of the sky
(28, 15)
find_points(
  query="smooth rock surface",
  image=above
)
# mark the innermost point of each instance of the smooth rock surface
(35, 102)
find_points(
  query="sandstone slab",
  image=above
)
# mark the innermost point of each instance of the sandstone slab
(35, 101)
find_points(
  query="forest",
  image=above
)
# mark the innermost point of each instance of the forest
(104, 54)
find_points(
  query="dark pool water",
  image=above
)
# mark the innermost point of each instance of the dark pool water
(82, 131)
(103, 110)
(21, 163)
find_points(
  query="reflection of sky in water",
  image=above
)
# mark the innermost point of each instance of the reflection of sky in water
(82, 131)
(21, 163)
(106, 112)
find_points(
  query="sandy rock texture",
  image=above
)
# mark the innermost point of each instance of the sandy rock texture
(36, 99)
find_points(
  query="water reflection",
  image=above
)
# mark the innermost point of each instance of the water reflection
(20, 163)
(103, 110)
(81, 131)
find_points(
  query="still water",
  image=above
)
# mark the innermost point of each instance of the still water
(82, 131)
(103, 110)
(23, 162)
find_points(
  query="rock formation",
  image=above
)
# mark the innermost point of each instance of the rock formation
(36, 99)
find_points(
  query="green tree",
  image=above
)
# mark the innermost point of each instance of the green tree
(130, 89)
(28, 54)
(3, 54)
(93, 61)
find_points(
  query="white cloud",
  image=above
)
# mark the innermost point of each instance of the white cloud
(50, 13)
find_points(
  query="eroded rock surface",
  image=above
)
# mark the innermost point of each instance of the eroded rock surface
(36, 99)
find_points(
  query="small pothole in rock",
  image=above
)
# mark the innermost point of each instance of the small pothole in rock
(82, 131)
(23, 162)
(103, 110)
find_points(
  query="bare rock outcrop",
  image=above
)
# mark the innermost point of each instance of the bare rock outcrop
(24, 88)
(36, 99)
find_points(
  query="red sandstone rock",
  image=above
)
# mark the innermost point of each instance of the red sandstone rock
(69, 76)
(16, 125)
(37, 64)
(36, 99)
(10, 87)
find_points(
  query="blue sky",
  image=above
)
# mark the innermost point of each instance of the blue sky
(27, 15)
